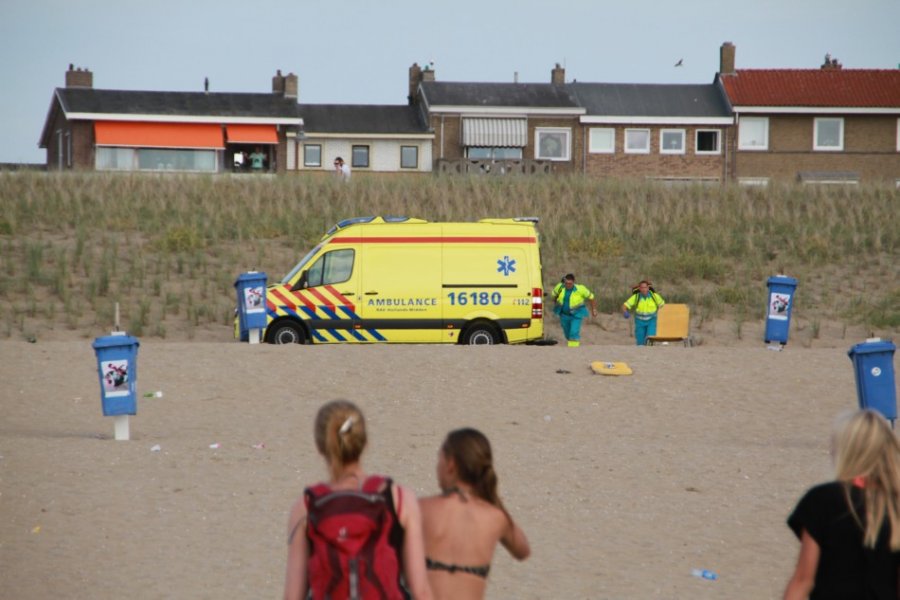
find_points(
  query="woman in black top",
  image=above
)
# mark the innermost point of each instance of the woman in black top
(849, 529)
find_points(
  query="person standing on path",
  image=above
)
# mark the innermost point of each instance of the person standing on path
(570, 300)
(645, 303)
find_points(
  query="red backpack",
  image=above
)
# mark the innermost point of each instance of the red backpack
(349, 533)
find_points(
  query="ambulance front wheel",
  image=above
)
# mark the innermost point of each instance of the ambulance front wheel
(481, 334)
(285, 332)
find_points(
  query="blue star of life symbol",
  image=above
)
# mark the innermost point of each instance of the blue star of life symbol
(507, 266)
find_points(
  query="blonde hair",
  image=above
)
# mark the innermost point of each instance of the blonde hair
(866, 447)
(340, 433)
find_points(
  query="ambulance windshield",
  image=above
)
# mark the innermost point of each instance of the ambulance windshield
(300, 265)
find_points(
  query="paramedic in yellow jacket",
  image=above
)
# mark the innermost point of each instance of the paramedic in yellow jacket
(570, 298)
(645, 303)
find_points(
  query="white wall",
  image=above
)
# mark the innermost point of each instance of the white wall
(384, 155)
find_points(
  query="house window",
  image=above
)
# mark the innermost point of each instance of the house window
(115, 159)
(176, 159)
(552, 144)
(637, 141)
(360, 157)
(753, 133)
(707, 141)
(409, 157)
(671, 141)
(312, 155)
(829, 134)
(485, 153)
(898, 135)
(602, 140)
(68, 149)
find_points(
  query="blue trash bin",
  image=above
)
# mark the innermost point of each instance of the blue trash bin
(781, 303)
(873, 365)
(117, 367)
(251, 302)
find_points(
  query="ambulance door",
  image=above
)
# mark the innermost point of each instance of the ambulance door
(401, 281)
(486, 283)
(327, 295)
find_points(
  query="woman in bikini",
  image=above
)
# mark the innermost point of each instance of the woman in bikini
(340, 433)
(463, 524)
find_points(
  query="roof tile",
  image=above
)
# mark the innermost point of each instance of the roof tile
(839, 88)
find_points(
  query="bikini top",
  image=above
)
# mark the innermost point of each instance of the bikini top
(436, 565)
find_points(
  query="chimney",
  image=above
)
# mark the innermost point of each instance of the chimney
(726, 59)
(79, 78)
(415, 76)
(831, 64)
(291, 86)
(558, 75)
(428, 72)
(278, 84)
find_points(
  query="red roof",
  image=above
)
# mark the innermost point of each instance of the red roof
(843, 88)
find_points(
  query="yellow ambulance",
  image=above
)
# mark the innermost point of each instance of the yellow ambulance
(399, 279)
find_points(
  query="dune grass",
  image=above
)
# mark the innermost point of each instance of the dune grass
(168, 248)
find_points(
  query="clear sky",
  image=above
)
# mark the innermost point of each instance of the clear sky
(359, 51)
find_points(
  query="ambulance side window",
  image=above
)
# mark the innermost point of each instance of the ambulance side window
(333, 267)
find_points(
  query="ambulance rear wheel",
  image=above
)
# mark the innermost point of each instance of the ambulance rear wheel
(285, 332)
(481, 334)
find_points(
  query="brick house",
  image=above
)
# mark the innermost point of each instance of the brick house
(499, 128)
(665, 132)
(370, 138)
(120, 130)
(826, 125)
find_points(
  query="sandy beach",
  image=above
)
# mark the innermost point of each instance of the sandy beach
(623, 484)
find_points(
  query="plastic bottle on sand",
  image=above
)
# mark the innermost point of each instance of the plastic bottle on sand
(704, 574)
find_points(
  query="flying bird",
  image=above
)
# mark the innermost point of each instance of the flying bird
(680, 62)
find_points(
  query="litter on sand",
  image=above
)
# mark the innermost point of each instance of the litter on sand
(610, 368)
(563, 371)
(215, 446)
(155, 448)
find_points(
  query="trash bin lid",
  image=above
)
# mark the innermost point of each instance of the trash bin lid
(111, 341)
(872, 348)
(250, 276)
(781, 280)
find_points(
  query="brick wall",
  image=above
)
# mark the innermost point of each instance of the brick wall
(448, 139)
(656, 165)
(870, 149)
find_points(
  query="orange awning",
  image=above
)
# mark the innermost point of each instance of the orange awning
(251, 134)
(158, 135)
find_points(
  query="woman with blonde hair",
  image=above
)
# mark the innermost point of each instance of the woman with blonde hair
(356, 536)
(463, 525)
(849, 529)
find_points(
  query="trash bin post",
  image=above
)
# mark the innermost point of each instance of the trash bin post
(781, 304)
(251, 303)
(117, 370)
(873, 368)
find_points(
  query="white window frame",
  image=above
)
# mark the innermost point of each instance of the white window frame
(664, 150)
(595, 148)
(645, 150)
(311, 164)
(743, 144)
(718, 149)
(409, 147)
(567, 145)
(898, 135)
(820, 120)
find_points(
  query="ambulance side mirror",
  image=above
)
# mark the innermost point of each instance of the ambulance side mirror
(301, 283)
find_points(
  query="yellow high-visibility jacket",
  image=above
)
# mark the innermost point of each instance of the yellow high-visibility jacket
(644, 307)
